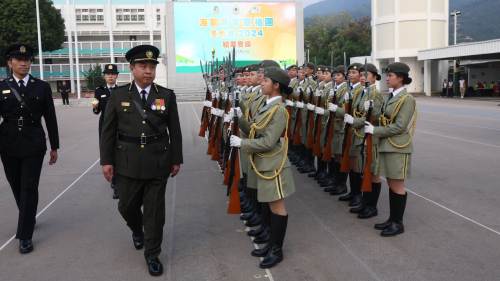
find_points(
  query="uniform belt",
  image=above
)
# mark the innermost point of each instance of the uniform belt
(142, 140)
(22, 122)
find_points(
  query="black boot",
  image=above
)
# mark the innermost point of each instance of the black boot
(263, 237)
(340, 186)
(370, 209)
(396, 227)
(355, 183)
(383, 225)
(330, 182)
(256, 219)
(348, 196)
(275, 251)
(262, 234)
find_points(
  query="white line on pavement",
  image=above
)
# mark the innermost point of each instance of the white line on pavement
(458, 139)
(458, 124)
(268, 272)
(55, 199)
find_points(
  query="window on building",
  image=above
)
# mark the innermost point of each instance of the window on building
(93, 15)
(119, 18)
(85, 17)
(100, 18)
(141, 10)
(133, 17)
(130, 15)
(158, 17)
(78, 17)
(141, 17)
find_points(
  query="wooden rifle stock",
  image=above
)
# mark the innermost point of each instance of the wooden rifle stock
(310, 125)
(297, 138)
(234, 206)
(345, 163)
(204, 116)
(317, 131)
(327, 149)
(211, 129)
(366, 184)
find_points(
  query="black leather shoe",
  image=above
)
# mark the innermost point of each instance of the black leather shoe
(356, 200)
(138, 240)
(307, 169)
(329, 189)
(368, 212)
(273, 257)
(346, 197)
(357, 210)
(313, 174)
(115, 194)
(393, 229)
(155, 267)
(25, 246)
(246, 216)
(253, 221)
(382, 226)
(255, 232)
(321, 176)
(327, 182)
(260, 253)
(339, 189)
(262, 239)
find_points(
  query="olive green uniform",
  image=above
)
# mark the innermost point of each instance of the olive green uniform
(395, 135)
(338, 135)
(268, 151)
(142, 151)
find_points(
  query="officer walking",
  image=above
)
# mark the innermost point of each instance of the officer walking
(141, 145)
(64, 93)
(101, 96)
(23, 103)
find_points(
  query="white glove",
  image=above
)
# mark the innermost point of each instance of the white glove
(319, 110)
(309, 90)
(239, 113)
(213, 111)
(227, 118)
(235, 141)
(317, 93)
(289, 103)
(299, 104)
(369, 128)
(367, 104)
(348, 119)
(310, 106)
(332, 107)
(299, 89)
(207, 103)
(347, 96)
(332, 92)
(216, 95)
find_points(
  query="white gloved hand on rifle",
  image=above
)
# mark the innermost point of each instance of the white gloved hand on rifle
(347, 96)
(207, 103)
(348, 119)
(332, 107)
(289, 103)
(235, 141)
(299, 104)
(238, 112)
(227, 118)
(310, 106)
(369, 128)
(319, 110)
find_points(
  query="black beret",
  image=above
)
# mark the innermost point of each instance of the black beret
(268, 63)
(398, 67)
(373, 69)
(310, 65)
(277, 74)
(339, 69)
(292, 67)
(355, 66)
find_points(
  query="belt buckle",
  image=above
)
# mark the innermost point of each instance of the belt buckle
(143, 140)
(20, 122)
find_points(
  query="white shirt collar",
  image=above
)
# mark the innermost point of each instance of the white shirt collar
(25, 79)
(147, 89)
(396, 92)
(256, 88)
(270, 100)
(328, 84)
(112, 86)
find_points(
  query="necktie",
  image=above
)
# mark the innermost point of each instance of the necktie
(143, 98)
(21, 86)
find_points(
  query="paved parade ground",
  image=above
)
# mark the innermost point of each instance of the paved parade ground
(452, 218)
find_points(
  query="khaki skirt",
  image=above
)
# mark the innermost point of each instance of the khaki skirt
(394, 165)
(278, 188)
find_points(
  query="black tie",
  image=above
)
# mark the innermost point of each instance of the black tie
(21, 86)
(392, 95)
(143, 94)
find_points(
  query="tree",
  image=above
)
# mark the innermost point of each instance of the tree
(94, 77)
(18, 22)
(337, 34)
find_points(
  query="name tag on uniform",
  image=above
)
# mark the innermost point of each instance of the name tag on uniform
(6, 92)
(103, 96)
(125, 104)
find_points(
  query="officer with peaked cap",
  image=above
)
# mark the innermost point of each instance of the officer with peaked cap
(25, 100)
(141, 145)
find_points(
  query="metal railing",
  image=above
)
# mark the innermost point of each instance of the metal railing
(98, 48)
(62, 71)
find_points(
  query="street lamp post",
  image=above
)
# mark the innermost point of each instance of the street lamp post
(455, 15)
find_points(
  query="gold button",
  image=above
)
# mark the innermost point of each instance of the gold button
(143, 122)
(142, 146)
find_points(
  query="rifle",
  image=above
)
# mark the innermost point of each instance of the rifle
(367, 89)
(327, 149)
(318, 131)
(310, 124)
(366, 184)
(345, 163)
(297, 138)
(204, 114)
